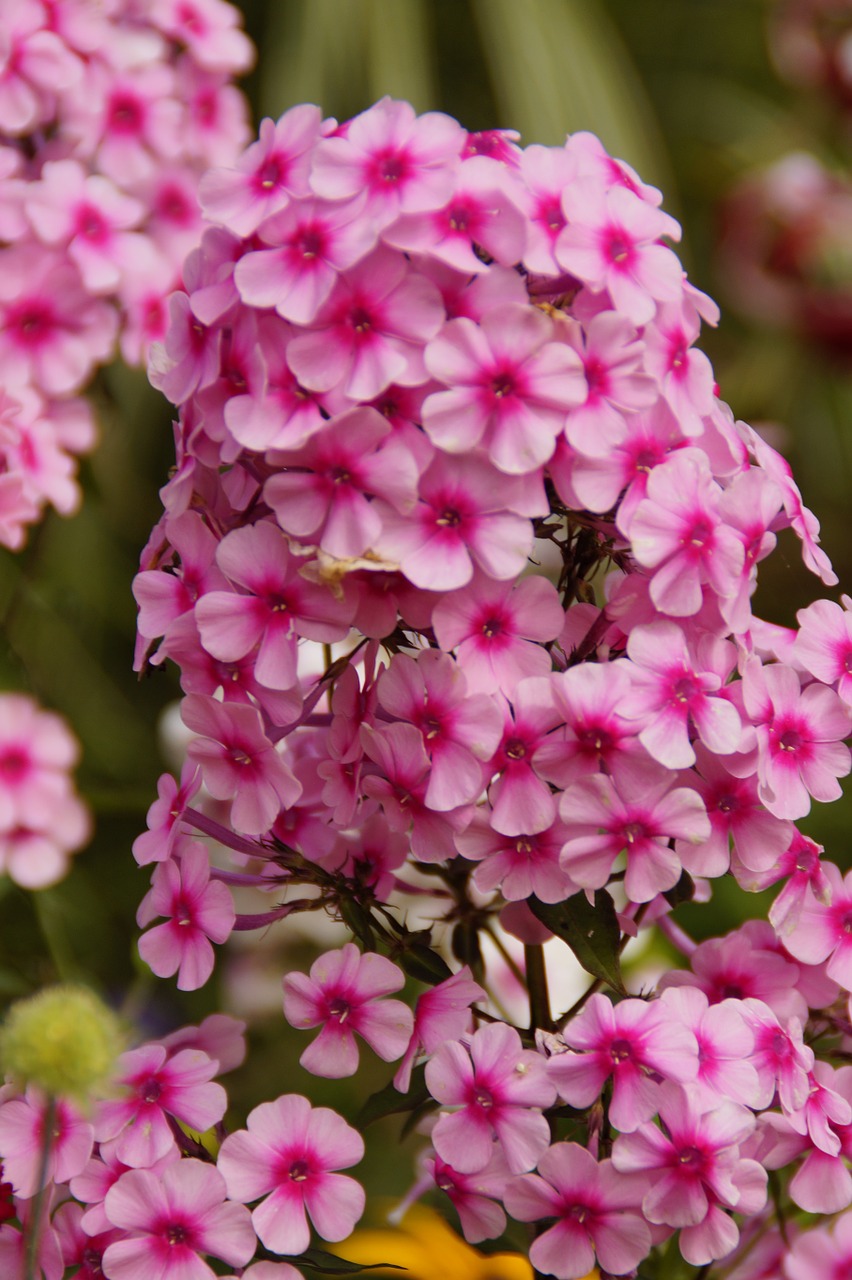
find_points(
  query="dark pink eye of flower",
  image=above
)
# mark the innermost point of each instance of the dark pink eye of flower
(125, 113)
(90, 224)
(634, 831)
(691, 1158)
(299, 1171)
(14, 764)
(33, 321)
(150, 1090)
(492, 627)
(172, 206)
(309, 242)
(503, 384)
(685, 689)
(728, 804)
(360, 319)
(339, 1009)
(619, 1050)
(515, 749)
(790, 740)
(458, 216)
(177, 1234)
(617, 246)
(390, 167)
(698, 534)
(270, 175)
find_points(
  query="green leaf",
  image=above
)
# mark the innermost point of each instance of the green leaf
(424, 964)
(390, 1102)
(592, 932)
(330, 1265)
(359, 921)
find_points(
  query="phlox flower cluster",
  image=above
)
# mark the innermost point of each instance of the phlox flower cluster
(440, 412)
(109, 114)
(128, 1192)
(43, 821)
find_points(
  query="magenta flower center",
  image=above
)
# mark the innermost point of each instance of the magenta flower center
(150, 1090)
(790, 740)
(14, 764)
(269, 174)
(125, 114)
(339, 1009)
(690, 1158)
(617, 247)
(309, 242)
(299, 1171)
(685, 689)
(176, 1233)
(492, 627)
(515, 749)
(619, 1050)
(579, 1212)
(33, 320)
(633, 831)
(699, 534)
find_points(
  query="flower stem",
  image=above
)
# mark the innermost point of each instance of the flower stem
(34, 1226)
(537, 987)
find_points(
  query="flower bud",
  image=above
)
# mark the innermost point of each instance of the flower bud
(63, 1039)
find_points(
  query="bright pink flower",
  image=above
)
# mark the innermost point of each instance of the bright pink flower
(725, 1040)
(344, 994)
(546, 171)
(164, 816)
(677, 531)
(798, 736)
(266, 175)
(639, 812)
(199, 911)
(470, 1195)
(696, 1172)
(498, 630)
(520, 864)
(238, 762)
(170, 1219)
(405, 163)
(597, 1213)
(611, 241)
(632, 1042)
(22, 1136)
(160, 1085)
(684, 374)
(442, 1013)
(824, 643)
(500, 1090)
(596, 736)
(823, 929)
(289, 1155)
(510, 386)
(616, 386)
(821, 1252)
(459, 732)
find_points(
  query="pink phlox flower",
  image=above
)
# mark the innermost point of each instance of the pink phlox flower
(460, 731)
(744, 964)
(344, 994)
(22, 1136)
(803, 522)
(49, 1260)
(468, 514)
(500, 1089)
(824, 644)
(750, 505)
(266, 175)
(823, 932)
(725, 1039)
(799, 732)
(620, 476)
(821, 1252)
(637, 1044)
(521, 802)
(159, 1085)
(241, 368)
(684, 374)
(187, 360)
(164, 596)
(326, 489)
(370, 858)
(472, 296)
(546, 172)
(278, 413)
(37, 65)
(736, 814)
(640, 813)
(81, 1249)
(677, 532)
(371, 330)
(52, 332)
(616, 386)
(170, 1219)
(596, 1210)
(500, 144)
(474, 1195)
(594, 161)
(406, 164)
(822, 1183)
(678, 686)
(441, 1013)
(499, 630)
(519, 864)
(483, 210)
(510, 387)
(238, 762)
(218, 1035)
(199, 911)
(696, 1171)
(164, 816)
(822, 1111)
(589, 697)
(399, 784)
(806, 880)
(209, 30)
(96, 1177)
(37, 751)
(289, 1155)
(611, 241)
(310, 244)
(271, 607)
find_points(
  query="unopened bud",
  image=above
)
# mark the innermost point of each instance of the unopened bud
(64, 1040)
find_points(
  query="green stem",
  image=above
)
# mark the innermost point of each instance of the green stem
(537, 987)
(34, 1226)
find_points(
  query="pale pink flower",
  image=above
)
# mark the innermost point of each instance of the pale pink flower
(289, 1155)
(168, 1220)
(510, 387)
(616, 385)
(684, 374)
(824, 644)
(519, 864)
(596, 735)
(596, 1210)
(441, 1013)
(499, 1089)
(157, 844)
(821, 1252)
(743, 964)
(22, 1139)
(636, 1043)
(822, 933)
(344, 994)
(199, 911)
(471, 1195)
(725, 1039)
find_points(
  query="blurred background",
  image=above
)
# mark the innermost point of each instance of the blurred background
(740, 110)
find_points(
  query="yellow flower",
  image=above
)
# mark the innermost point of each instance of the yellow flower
(427, 1247)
